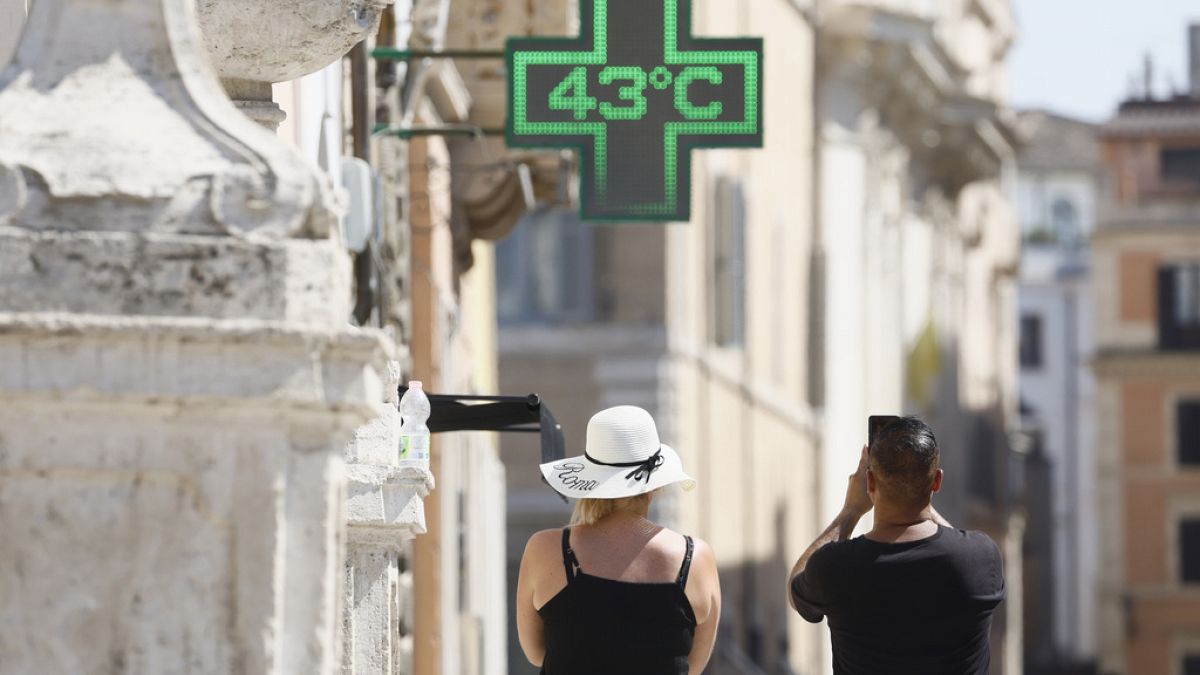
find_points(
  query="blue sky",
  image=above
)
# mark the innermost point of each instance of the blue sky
(1076, 57)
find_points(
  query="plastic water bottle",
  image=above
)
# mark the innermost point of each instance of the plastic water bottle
(414, 434)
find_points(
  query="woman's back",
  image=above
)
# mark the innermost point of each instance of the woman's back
(599, 624)
(618, 597)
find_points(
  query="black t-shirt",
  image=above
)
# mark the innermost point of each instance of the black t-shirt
(913, 608)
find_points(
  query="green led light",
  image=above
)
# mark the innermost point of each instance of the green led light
(661, 77)
(632, 93)
(683, 83)
(588, 94)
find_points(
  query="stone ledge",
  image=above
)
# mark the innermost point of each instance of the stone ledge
(378, 441)
(193, 362)
(385, 504)
(154, 274)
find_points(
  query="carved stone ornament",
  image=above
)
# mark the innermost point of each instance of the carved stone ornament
(253, 43)
(112, 119)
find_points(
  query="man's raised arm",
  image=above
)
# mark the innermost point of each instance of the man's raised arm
(857, 504)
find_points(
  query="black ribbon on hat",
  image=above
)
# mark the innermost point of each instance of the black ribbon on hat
(644, 467)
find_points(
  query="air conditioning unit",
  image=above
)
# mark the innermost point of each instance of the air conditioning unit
(358, 178)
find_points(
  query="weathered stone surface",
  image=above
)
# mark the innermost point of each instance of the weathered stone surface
(253, 43)
(129, 129)
(250, 367)
(385, 509)
(177, 377)
(384, 505)
(305, 281)
(170, 492)
(272, 41)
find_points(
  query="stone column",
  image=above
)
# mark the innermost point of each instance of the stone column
(384, 511)
(178, 378)
(255, 43)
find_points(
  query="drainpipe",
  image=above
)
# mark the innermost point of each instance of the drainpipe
(1071, 463)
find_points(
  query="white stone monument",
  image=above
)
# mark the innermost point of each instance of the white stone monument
(255, 43)
(385, 509)
(177, 377)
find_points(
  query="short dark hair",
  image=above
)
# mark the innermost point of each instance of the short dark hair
(904, 457)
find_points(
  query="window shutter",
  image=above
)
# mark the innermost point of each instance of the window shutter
(1031, 341)
(1189, 550)
(1167, 330)
(1188, 436)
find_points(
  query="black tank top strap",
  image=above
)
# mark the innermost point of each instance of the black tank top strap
(686, 567)
(570, 562)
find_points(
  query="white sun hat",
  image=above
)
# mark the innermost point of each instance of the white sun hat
(623, 458)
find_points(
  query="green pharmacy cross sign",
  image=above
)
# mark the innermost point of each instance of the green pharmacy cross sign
(635, 94)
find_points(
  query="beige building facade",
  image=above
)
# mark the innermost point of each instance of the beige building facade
(685, 320)
(862, 262)
(917, 244)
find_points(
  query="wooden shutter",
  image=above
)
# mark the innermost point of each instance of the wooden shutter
(1189, 551)
(1188, 432)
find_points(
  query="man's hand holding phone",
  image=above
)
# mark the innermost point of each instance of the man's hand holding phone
(858, 501)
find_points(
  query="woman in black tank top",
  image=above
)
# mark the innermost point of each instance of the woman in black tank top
(640, 600)
(598, 625)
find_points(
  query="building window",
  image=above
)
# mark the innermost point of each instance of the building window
(1064, 219)
(727, 254)
(544, 271)
(1188, 436)
(1179, 307)
(1181, 165)
(1189, 550)
(1031, 341)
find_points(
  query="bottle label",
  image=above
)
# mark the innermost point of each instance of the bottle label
(414, 446)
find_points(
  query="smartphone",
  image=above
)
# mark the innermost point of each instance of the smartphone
(875, 423)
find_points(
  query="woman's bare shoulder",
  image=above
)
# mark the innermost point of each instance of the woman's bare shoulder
(704, 560)
(697, 542)
(671, 540)
(701, 548)
(542, 541)
(543, 551)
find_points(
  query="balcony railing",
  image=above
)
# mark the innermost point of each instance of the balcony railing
(1163, 212)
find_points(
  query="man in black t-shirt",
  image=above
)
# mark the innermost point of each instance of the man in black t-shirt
(913, 596)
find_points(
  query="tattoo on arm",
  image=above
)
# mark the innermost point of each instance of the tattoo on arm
(839, 530)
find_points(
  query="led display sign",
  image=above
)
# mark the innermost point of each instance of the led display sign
(635, 94)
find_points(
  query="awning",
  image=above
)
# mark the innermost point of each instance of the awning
(518, 414)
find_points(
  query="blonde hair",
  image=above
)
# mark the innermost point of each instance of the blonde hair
(591, 511)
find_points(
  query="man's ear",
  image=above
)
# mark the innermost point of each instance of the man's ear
(937, 481)
(872, 486)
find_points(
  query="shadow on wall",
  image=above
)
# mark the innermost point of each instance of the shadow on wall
(753, 638)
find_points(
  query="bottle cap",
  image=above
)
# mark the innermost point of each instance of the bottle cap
(415, 384)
